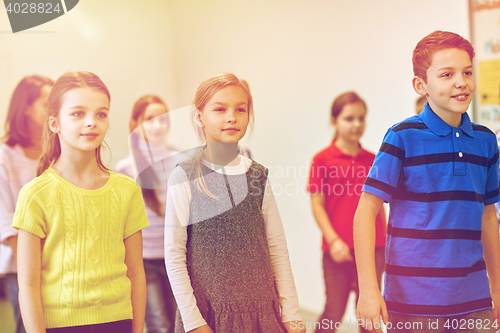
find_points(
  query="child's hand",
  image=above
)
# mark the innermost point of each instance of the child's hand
(496, 306)
(202, 329)
(340, 252)
(296, 324)
(370, 306)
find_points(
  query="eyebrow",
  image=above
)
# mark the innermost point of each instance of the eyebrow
(79, 107)
(452, 68)
(224, 104)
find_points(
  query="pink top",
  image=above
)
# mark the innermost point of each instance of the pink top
(15, 171)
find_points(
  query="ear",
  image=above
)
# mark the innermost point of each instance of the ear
(53, 125)
(132, 125)
(333, 121)
(419, 86)
(197, 118)
(28, 110)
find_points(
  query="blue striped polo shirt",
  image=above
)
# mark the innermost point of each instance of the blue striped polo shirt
(437, 179)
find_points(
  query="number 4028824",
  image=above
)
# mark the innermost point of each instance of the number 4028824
(27, 8)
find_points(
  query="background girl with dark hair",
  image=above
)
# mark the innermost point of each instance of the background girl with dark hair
(18, 160)
(337, 175)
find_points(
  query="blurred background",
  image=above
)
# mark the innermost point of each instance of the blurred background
(297, 56)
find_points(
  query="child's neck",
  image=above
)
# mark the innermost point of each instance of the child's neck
(221, 153)
(35, 148)
(82, 170)
(453, 119)
(348, 147)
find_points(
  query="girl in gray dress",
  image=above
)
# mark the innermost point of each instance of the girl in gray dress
(225, 249)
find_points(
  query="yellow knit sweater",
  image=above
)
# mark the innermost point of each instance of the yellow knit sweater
(83, 277)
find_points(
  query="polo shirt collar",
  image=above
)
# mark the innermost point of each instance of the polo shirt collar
(439, 127)
(335, 150)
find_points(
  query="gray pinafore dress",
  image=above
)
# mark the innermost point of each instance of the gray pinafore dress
(227, 255)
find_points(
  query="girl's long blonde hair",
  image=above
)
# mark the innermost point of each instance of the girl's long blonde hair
(51, 143)
(207, 89)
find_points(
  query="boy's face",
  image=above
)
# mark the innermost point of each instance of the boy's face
(450, 84)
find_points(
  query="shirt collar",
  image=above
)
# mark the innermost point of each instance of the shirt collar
(439, 127)
(339, 152)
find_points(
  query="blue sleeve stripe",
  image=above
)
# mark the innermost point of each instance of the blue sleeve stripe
(439, 196)
(444, 158)
(380, 185)
(392, 150)
(492, 194)
(439, 310)
(434, 234)
(493, 160)
(435, 271)
(405, 126)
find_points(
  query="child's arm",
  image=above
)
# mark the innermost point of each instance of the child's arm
(176, 221)
(8, 235)
(280, 262)
(371, 303)
(339, 251)
(29, 262)
(491, 252)
(135, 272)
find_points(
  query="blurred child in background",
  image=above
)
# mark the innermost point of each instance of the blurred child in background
(336, 177)
(149, 126)
(18, 161)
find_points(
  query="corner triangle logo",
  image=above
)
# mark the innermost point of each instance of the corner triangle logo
(26, 14)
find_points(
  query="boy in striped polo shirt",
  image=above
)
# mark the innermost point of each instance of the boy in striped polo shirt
(439, 173)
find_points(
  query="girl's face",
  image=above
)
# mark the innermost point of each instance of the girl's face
(83, 119)
(350, 123)
(155, 122)
(37, 112)
(225, 117)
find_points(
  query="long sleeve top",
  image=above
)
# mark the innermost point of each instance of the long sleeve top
(16, 170)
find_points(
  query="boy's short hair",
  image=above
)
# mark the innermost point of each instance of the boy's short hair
(437, 41)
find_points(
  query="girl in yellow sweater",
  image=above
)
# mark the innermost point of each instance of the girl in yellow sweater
(80, 243)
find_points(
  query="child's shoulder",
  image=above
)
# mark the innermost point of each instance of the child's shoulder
(324, 155)
(413, 122)
(482, 129)
(483, 136)
(10, 155)
(6, 150)
(122, 180)
(256, 166)
(41, 187)
(123, 165)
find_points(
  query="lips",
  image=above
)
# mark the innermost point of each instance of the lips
(231, 129)
(90, 135)
(461, 97)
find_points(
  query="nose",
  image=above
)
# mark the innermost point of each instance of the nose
(156, 123)
(231, 117)
(460, 82)
(90, 121)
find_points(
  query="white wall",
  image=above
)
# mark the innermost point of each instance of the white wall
(128, 45)
(297, 56)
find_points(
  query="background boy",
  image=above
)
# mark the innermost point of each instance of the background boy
(439, 173)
